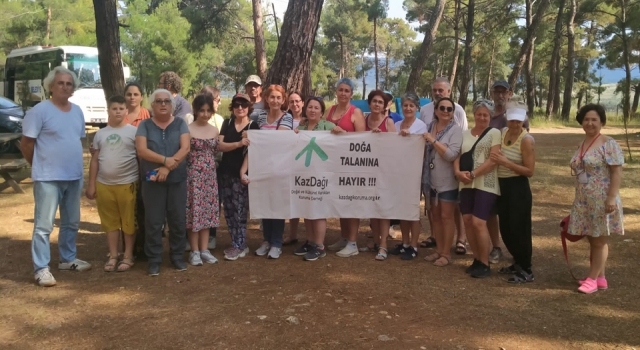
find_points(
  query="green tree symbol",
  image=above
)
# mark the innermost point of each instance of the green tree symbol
(309, 149)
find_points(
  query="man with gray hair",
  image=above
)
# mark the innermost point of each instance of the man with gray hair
(51, 143)
(502, 95)
(441, 88)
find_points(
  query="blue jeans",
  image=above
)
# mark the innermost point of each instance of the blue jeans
(272, 231)
(48, 196)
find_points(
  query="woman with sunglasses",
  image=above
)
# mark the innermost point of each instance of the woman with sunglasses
(296, 106)
(597, 209)
(479, 186)
(162, 143)
(313, 248)
(516, 162)
(235, 194)
(273, 118)
(347, 118)
(444, 140)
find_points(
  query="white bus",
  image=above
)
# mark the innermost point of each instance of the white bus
(26, 68)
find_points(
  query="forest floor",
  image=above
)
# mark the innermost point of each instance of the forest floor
(332, 303)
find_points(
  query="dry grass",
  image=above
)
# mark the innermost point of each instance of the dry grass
(340, 303)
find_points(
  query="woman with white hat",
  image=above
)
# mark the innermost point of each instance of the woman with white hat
(516, 163)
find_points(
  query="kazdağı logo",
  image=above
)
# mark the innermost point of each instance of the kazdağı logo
(309, 149)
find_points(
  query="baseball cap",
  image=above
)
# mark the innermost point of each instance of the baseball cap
(518, 114)
(501, 83)
(253, 79)
(240, 96)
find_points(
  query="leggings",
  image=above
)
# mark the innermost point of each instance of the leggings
(514, 210)
(235, 198)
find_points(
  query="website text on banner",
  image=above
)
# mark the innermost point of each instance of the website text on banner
(318, 175)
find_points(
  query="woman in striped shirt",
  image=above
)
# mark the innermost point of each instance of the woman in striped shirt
(516, 163)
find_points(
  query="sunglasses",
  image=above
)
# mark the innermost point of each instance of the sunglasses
(240, 105)
(446, 109)
(163, 102)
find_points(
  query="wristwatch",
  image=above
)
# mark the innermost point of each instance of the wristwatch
(473, 176)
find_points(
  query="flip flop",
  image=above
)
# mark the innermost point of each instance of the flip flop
(428, 243)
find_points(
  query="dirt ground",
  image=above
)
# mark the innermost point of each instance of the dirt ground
(332, 303)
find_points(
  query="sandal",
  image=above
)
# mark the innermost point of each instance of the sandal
(125, 265)
(428, 243)
(442, 261)
(509, 270)
(382, 256)
(110, 266)
(461, 248)
(433, 257)
(289, 241)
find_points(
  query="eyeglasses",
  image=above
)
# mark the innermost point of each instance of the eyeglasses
(163, 102)
(446, 109)
(240, 105)
(379, 102)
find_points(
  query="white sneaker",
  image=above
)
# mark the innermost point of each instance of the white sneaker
(338, 245)
(76, 265)
(274, 253)
(264, 249)
(187, 247)
(44, 278)
(212, 243)
(349, 250)
(194, 259)
(207, 257)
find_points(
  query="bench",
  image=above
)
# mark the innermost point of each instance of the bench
(7, 169)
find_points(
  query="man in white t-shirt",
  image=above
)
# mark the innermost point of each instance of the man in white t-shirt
(440, 89)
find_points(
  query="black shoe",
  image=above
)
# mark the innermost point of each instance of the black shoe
(303, 249)
(179, 265)
(509, 270)
(314, 254)
(473, 266)
(153, 269)
(522, 276)
(481, 271)
(409, 253)
(397, 250)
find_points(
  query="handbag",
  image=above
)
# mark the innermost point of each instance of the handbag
(565, 236)
(466, 158)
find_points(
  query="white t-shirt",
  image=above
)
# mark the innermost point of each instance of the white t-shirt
(459, 115)
(118, 163)
(418, 127)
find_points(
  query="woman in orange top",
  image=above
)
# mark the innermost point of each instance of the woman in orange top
(133, 96)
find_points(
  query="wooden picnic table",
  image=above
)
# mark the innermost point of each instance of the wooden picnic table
(13, 166)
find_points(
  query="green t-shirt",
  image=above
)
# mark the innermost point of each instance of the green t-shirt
(322, 125)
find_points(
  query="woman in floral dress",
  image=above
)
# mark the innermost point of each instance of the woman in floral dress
(202, 185)
(597, 210)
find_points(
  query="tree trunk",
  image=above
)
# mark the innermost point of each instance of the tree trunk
(343, 57)
(456, 44)
(626, 105)
(386, 68)
(636, 100)
(473, 84)
(48, 34)
(555, 61)
(291, 66)
(108, 37)
(571, 46)
(364, 78)
(531, 91)
(487, 93)
(258, 38)
(466, 68)
(425, 48)
(375, 50)
(528, 42)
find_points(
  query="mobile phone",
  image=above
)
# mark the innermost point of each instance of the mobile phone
(150, 174)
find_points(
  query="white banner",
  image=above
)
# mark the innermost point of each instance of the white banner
(316, 175)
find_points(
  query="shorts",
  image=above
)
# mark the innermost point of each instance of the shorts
(117, 207)
(446, 196)
(477, 202)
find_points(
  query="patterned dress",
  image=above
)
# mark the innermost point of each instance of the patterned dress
(202, 185)
(588, 216)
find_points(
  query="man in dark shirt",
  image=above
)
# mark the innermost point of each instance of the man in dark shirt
(501, 94)
(253, 89)
(172, 82)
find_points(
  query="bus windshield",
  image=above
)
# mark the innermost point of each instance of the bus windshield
(86, 67)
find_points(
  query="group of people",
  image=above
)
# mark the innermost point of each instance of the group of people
(170, 170)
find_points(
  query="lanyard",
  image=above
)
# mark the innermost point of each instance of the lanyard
(583, 152)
